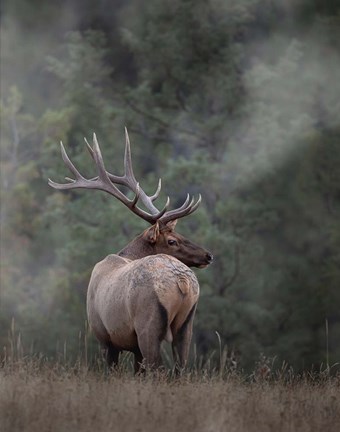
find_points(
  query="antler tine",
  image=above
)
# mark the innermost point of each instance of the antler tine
(112, 177)
(156, 194)
(98, 158)
(71, 167)
(108, 179)
(130, 179)
(89, 148)
(195, 206)
(68, 162)
(129, 174)
(184, 206)
(136, 198)
(163, 211)
(182, 211)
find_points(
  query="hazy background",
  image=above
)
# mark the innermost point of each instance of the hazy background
(238, 101)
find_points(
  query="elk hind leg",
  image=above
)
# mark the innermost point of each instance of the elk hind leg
(138, 361)
(182, 340)
(151, 333)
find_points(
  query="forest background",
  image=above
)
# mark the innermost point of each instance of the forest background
(238, 101)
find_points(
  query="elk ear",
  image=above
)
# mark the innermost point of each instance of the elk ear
(152, 233)
(171, 224)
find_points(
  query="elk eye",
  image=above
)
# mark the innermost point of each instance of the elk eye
(172, 243)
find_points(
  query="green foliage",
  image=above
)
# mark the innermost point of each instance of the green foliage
(238, 101)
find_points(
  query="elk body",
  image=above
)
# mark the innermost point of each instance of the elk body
(146, 293)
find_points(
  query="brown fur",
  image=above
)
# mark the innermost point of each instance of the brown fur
(143, 296)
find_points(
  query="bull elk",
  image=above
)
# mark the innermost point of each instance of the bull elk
(146, 293)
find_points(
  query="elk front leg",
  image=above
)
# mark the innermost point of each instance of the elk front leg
(112, 355)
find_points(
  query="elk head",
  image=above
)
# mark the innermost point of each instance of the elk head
(162, 239)
(161, 236)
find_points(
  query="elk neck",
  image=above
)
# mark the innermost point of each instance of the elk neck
(137, 248)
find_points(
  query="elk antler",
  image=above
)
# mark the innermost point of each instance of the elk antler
(106, 181)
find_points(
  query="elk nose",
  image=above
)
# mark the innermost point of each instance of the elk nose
(209, 257)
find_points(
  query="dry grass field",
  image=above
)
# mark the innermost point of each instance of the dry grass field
(35, 397)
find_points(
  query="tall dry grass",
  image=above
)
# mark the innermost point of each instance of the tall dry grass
(37, 396)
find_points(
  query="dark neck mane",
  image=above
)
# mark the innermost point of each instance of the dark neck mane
(137, 248)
